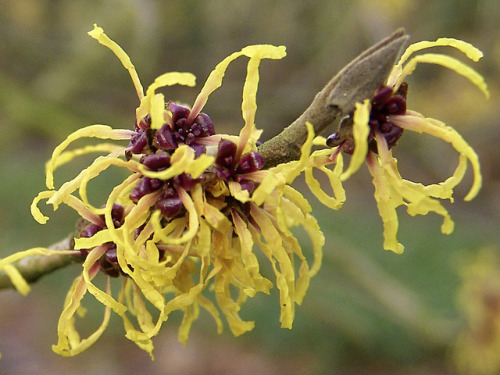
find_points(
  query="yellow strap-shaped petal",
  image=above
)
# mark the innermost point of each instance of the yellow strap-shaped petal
(319, 160)
(470, 51)
(103, 297)
(386, 204)
(417, 123)
(67, 156)
(214, 80)
(249, 103)
(182, 161)
(448, 62)
(35, 211)
(93, 131)
(360, 131)
(17, 279)
(98, 34)
(154, 104)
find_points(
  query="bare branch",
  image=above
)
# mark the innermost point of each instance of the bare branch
(354, 83)
(34, 267)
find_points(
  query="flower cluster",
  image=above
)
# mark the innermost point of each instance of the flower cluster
(181, 228)
(379, 122)
(186, 218)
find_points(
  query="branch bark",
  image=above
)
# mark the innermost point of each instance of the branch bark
(34, 267)
(354, 83)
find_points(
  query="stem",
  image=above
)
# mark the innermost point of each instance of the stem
(354, 83)
(34, 267)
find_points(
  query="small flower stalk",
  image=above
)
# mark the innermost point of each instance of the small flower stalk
(190, 226)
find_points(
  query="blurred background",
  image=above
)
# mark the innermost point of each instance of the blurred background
(368, 311)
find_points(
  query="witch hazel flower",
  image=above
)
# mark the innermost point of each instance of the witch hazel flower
(186, 221)
(190, 225)
(370, 133)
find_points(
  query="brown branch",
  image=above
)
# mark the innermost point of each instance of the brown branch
(354, 83)
(34, 267)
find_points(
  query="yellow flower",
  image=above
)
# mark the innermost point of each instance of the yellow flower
(186, 220)
(378, 123)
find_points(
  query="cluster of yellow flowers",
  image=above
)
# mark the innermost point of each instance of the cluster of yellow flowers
(181, 229)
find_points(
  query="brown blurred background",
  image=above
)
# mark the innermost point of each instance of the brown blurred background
(368, 311)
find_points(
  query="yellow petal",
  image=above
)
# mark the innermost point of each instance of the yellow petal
(35, 211)
(227, 305)
(69, 342)
(470, 51)
(68, 156)
(193, 224)
(360, 130)
(415, 122)
(182, 161)
(444, 190)
(7, 265)
(249, 103)
(249, 259)
(95, 131)
(386, 204)
(214, 80)
(16, 278)
(319, 161)
(274, 251)
(450, 63)
(310, 225)
(103, 297)
(79, 182)
(98, 34)
(154, 104)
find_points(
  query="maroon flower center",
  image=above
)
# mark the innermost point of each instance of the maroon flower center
(109, 261)
(228, 168)
(384, 103)
(178, 130)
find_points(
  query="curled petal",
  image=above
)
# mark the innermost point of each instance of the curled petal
(79, 182)
(319, 161)
(415, 122)
(69, 342)
(88, 272)
(249, 259)
(276, 253)
(249, 104)
(154, 104)
(35, 211)
(386, 203)
(98, 34)
(310, 225)
(67, 156)
(448, 62)
(182, 161)
(192, 227)
(214, 80)
(470, 51)
(360, 131)
(94, 131)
